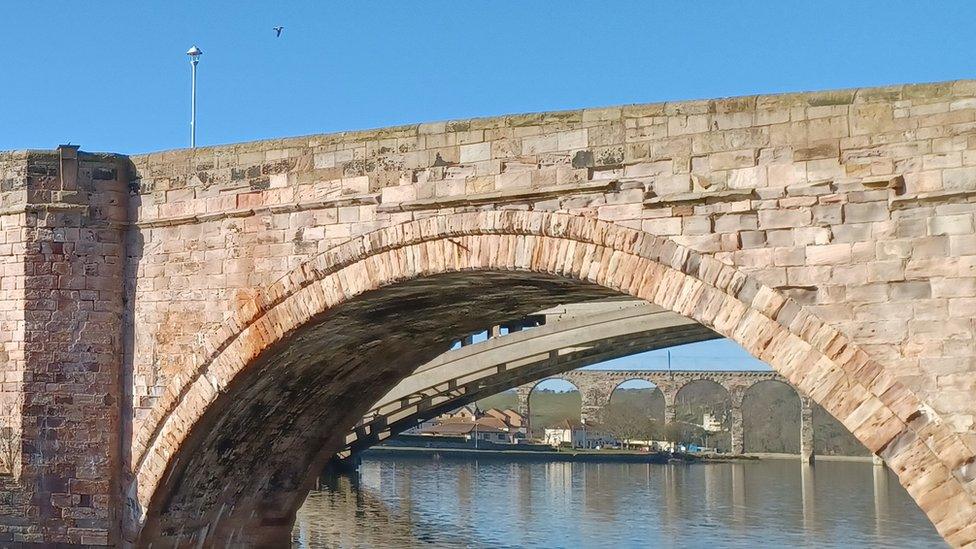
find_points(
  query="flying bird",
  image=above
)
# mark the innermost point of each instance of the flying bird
(278, 30)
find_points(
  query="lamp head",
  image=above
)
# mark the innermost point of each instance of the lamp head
(194, 53)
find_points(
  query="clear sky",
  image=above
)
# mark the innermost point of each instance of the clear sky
(112, 75)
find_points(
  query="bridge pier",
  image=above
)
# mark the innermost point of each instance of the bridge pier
(595, 397)
(737, 431)
(524, 392)
(670, 412)
(62, 358)
(806, 429)
(590, 414)
(737, 393)
(670, 394)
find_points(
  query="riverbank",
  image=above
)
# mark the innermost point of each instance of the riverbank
(603, 456)
(817, 457)
(592, 456)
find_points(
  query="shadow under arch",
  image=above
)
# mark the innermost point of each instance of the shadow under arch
(552, 256)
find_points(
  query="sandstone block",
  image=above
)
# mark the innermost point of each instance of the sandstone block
(403, 193)
(953, 287)
(747, 178)
(729, 160)
(961, 224)
(665, 226)
(866, 211)
(475, 152)
(828, 255)
(779, 219)
(673, 184)
(959, 178)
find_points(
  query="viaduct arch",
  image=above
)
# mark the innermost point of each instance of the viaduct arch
(157, 307)
(805, 411)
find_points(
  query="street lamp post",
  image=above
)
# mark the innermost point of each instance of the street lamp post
(194, 54)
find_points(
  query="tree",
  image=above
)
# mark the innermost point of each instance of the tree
(680, 432)
(627, 421)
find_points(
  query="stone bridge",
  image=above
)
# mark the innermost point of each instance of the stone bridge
(188, 335)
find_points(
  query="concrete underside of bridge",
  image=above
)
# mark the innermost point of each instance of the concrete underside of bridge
(185, 334)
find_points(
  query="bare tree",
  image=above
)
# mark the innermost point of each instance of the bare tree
(681, 432)
(627, 421)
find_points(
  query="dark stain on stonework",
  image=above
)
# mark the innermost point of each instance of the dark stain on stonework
(103, 174)
(611, 156)
(583, 159)
(439, 161)
(260, 184)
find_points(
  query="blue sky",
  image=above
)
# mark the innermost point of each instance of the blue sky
(112, 76)
(716, 354)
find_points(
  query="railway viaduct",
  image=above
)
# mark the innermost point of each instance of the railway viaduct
(187, 335)
(596, 387)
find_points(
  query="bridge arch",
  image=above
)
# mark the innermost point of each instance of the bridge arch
(552, 255)
(533, 427)
(535, 384)
(791, 444)
(463, 376)
(719, 401)
(637, 382)
(657, 402)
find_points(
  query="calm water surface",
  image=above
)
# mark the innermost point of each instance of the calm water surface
(426, 502)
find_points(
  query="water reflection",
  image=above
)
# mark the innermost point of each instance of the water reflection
(880, 477)
(444, 503)
(738, 495)
(808, 494)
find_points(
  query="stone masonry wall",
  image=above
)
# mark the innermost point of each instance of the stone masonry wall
(13, 221)
(857, 203)
(63, 218)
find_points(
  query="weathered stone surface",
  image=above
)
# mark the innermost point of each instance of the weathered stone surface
(61, 309)
(212, 264)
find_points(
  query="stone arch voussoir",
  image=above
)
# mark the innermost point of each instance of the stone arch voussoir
(931, 461)
(616, 383)
(560, 377)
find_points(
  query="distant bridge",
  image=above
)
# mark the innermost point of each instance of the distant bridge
(580, 335)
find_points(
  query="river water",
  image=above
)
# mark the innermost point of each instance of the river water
(429, 502)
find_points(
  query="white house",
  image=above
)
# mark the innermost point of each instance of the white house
(568, 432)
